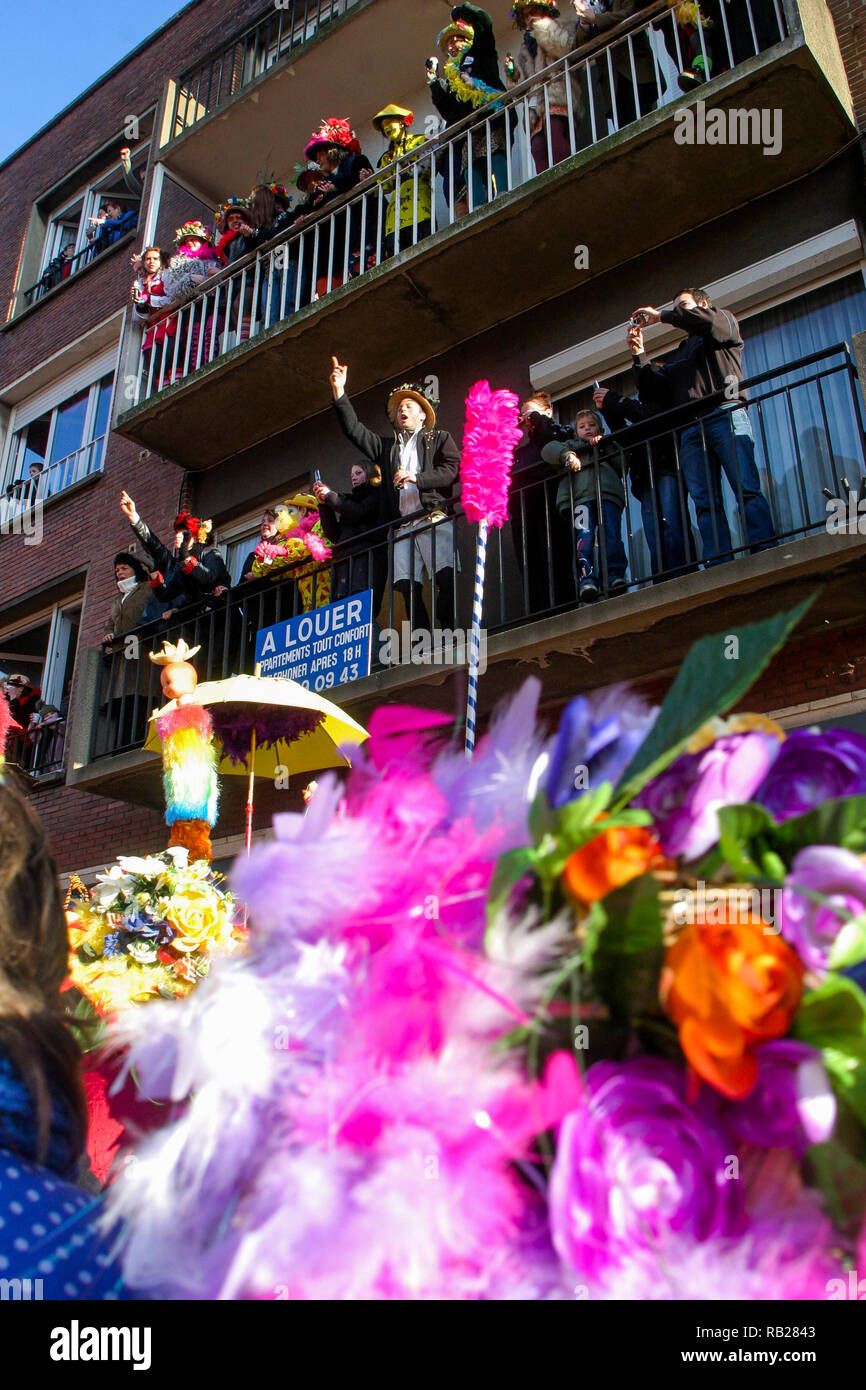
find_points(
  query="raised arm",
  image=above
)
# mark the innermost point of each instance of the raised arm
(371, 445)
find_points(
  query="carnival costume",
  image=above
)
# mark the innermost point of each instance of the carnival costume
(300, 539)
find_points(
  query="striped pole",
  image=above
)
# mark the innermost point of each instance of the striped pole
(475, 640)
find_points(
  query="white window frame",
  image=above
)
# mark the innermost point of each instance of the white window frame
(88, 198)
(23, 415)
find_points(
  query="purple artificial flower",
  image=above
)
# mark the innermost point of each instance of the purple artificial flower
(792, 1104)
(813, 767)
(637, 1167)
(685, 799)
(809, 926)
(114, 943)
(597, 739)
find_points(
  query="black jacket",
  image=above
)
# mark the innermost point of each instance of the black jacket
(632, 421)
(481, 61)
(438, 456)
(351, 516)
(709, 361)
(179, 588)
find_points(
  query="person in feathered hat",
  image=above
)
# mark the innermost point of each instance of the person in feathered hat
(547, 36)
(194, 260)
(337, 151)
(469, 82)
(419, 465)
(415, 192)
(192, 572)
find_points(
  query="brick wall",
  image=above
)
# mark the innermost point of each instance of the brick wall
(849, 16)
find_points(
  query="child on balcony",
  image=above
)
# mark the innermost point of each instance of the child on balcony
(591, 492)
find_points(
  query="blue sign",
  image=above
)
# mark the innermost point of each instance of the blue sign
(323, 649)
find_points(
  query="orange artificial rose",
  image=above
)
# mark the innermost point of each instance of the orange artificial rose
(728, 987)
(609, 860)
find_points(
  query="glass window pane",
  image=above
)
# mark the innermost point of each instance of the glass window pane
(100, 424)
(69, 429)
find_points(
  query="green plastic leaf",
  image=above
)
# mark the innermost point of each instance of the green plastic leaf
(624, 948)
(841, 1180)
(832, 1018)
(708, 683)
(86, 953)
(838, 822)
(849, 948)
(740, 825)
(510, 868)
(540, 817)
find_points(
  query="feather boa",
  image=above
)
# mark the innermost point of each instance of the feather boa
(490, 438)
(476, 93)
(189, 764)
(234, 724)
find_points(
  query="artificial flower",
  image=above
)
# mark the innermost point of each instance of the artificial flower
(727, 987)
(812, 926)
(610, 860)
(597, 739)
(735, 724)
(198, 917)
(637, 1165)
(792, 1104)
(685, 799)
(814, 766)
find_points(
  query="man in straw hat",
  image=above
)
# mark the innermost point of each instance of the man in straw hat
(419, 466)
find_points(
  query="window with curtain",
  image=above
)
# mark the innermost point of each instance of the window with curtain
(808, 421)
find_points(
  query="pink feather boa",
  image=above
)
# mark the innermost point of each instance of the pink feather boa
(319, 549)
(492, 433)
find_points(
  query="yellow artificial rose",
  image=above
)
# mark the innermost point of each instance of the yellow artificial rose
(198, 916)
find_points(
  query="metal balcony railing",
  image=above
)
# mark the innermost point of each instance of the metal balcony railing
(236, 65)
(808, 446)
(24, 494)
(57, 272)
(38, 751)
(603, 86)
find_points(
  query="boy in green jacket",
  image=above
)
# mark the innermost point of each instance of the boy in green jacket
(590, 481)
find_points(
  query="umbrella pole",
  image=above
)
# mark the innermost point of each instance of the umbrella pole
(249, 819)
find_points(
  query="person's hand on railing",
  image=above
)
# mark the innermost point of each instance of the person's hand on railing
(127, 506)
(220, 590)
(571, 461)
(339, 373)
(169, 613)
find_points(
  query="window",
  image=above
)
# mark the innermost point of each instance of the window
(81, 227)
(41, 653)
(60, 446)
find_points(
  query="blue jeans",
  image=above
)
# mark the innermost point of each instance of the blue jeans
(291, 273)
(614, 551)
(498, 173)
(730, 445)
(662, 515)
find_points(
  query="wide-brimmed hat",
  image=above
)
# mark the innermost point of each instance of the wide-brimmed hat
(191, 231)
(303, 501)
(458, 30)
(393, 113)
(336, 131)
(307, 173)
(519, 6)
(415, 393)
(126, 557)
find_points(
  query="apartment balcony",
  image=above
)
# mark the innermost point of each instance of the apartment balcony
(807, 420)
(250, 352)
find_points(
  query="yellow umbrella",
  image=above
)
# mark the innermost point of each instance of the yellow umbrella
(303, 730)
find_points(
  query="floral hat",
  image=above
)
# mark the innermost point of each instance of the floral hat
(458, 30)
(191, 231)
(231, 204)
(307, 173)
(198, 529)
(427, 402)
(333, 130)
(520, 6)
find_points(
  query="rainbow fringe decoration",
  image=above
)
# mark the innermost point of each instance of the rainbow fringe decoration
(7, 723)
(189, 765)
(491, 435)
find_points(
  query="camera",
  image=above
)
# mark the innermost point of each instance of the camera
(637, 320)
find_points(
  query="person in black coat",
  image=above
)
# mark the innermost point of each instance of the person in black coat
(188, 575)
(347, 518)
(543, 539)
(468, 82)
(419, 465)
(337, 151)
